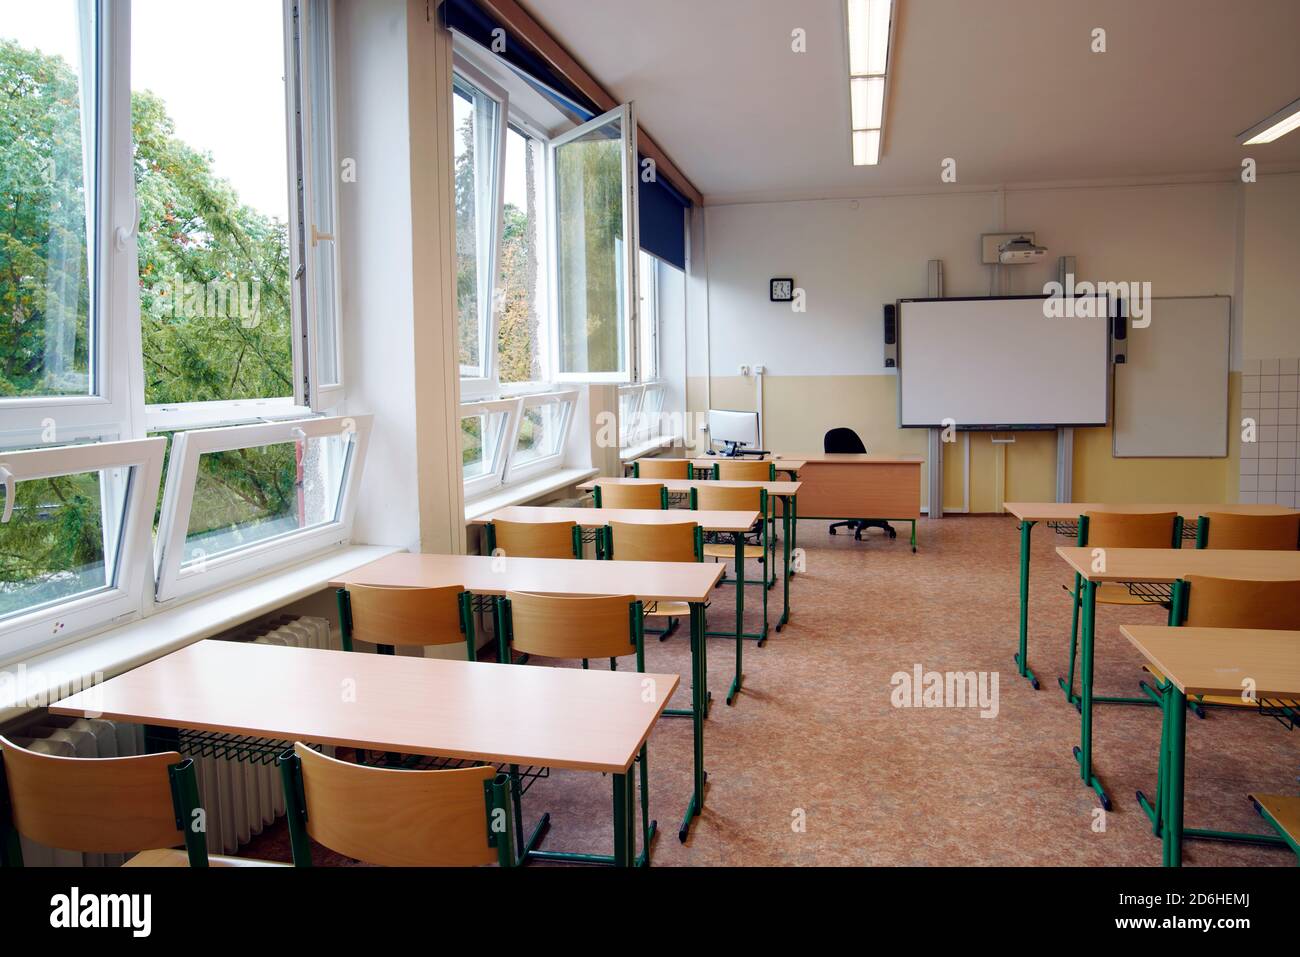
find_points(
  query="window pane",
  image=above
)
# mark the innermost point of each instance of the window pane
(627, 414)
(589, 205)
(480, 443)
(648, 315)
(519, 343)
(474, 115)
(540, 431)
(62, 540)
(322, 226)
(246, 496)
(47, 162)
(211, 170)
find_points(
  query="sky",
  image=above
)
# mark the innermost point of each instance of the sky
(217, 64)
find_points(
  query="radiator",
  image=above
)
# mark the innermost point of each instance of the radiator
(239, 783)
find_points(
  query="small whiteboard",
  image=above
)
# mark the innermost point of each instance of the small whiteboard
(1171, 396)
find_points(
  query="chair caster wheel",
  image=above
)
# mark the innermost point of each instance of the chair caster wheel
(832, 531)
(893, 534)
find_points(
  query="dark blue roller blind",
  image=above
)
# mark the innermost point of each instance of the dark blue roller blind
(661, 207)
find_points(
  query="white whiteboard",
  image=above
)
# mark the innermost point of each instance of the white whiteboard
(1000, 363)
(1171, 394)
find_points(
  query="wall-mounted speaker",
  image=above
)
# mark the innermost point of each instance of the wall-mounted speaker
(891, 336)
(1119, 332)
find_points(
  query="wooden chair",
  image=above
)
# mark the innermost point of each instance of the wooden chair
(1116, 530)
(744, 470)
(1278, 533)
(725, 499)
(535, 539)
(556, 626)
(388, 616)
(104, 806)
(459, 817)
(672, 542)
(618, 495)
(1283, 813)
(662, 468)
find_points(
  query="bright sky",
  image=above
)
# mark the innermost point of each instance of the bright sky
(217, 64)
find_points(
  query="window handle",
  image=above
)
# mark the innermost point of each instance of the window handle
(8, 483)
(123, 234)
(317, 236)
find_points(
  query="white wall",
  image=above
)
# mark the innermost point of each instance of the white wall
(1271, 293)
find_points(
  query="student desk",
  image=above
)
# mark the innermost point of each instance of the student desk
(790, 466)
(785, 492)
(689, 582)
(1210, 661)
(1064, 518)
(1136, 567)
(499, 714)
(735, 523)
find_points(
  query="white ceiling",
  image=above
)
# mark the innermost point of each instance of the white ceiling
(1008, 88)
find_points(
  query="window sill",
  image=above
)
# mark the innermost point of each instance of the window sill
(642, 449)
(526, 491)
(128, 646)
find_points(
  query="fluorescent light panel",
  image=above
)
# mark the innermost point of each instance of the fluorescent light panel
(1276, 126)
(868, 26)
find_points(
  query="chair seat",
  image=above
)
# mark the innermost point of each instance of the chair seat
(1284, 810)
(170, 857)
(668, 609)
(729, 551)
(1109, 593)
(1223, 700)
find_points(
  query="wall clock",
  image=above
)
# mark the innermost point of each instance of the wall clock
(782, 290)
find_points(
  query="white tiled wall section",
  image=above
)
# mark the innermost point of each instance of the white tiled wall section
(1270, 394)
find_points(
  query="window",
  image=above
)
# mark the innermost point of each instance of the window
(541, 434)
(239, 500)
(593, 179)
(74, 538)
(521, 334)
(478, 118)
(484, 429)
(648, 316)
(509, 440)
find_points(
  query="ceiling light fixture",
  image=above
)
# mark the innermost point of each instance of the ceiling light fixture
(1276, 126)
(868, 23)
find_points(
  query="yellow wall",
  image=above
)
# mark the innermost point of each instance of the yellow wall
(800, 409)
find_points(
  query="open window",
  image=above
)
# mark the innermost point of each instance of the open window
(74, 539)
(543, 427)
(594, 211)
(242, 499)
(485, 430)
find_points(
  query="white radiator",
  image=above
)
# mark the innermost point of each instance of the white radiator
(239, 797)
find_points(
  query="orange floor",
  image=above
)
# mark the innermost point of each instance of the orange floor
(814, 738)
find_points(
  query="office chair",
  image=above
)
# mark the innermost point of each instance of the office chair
(843, 440)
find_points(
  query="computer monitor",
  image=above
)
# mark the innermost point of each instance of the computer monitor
(733, 430)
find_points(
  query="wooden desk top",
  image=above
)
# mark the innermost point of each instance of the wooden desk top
(685, 485)
(521, 714)
(486, 575)
(1215, 661)
(863, 458)
(1070, 511)
(713, 521)
(781, 462)
(1170, 564)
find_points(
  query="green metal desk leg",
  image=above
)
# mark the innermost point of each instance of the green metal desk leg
(1022, 656)
(794, 526)
(785, 546)
(1083, 753)
(1172, 833)
(624, 836)
(698, 692)
(740, 615)
(1155, 809)
(913, 536)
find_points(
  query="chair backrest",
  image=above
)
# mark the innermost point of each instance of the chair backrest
(1130, 529)
(388, 615)
(633, 495)
(663, 468)
(96, 805)
(672, 542)
(534, 539)
(1272, 532)
(744, 470)
(724, 498)
(556, 626)
(1242, 603)
(842, 440)
(394, 817)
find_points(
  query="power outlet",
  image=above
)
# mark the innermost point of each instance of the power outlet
(989, 243)
(744, 370)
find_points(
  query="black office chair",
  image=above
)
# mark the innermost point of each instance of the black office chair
(847, 441)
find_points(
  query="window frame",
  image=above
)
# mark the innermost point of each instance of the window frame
(131, 594)
(492, 478)
(172, 580)
(522, 471)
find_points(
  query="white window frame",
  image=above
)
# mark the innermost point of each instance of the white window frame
(518, 472)
(626, 116)
(112, 262)
(174, 580)
(479, 386)
(131, 590)
(494, 476)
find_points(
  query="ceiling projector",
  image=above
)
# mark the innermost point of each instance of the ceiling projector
(1019, 251)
